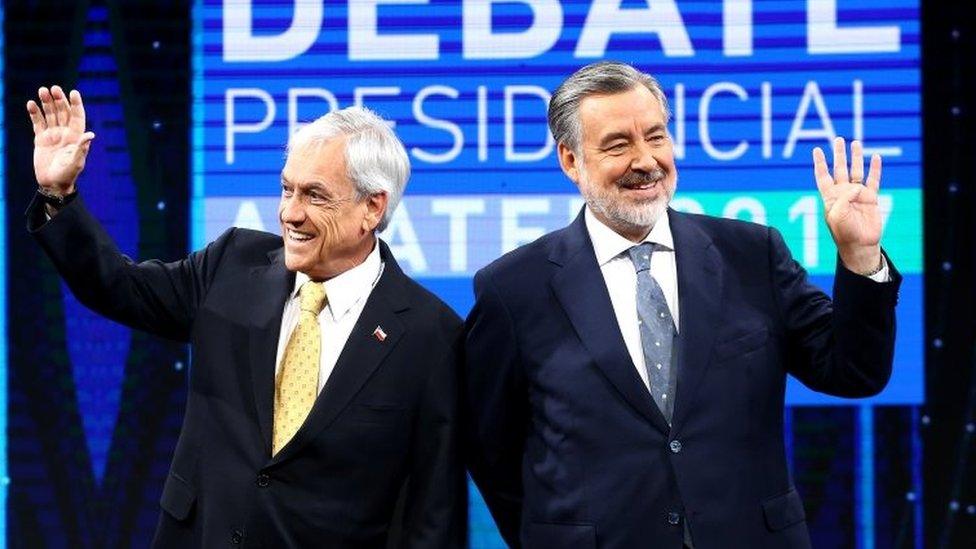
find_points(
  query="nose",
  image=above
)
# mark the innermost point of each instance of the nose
(644, 160)
(292, 210)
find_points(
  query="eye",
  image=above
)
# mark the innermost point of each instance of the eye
(617, 148)
(286, 190)
(316, 197)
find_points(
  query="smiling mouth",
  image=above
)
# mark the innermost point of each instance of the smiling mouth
(297, 236)
(641, 181)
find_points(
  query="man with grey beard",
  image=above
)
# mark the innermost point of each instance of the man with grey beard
(625, 375)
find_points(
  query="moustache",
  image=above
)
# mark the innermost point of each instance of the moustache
(637, 179)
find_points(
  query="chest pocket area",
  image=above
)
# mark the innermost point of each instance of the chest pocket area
(741, 344)
(382, 414)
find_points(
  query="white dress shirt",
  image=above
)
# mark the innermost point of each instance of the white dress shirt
(347, 294)
(621, 278)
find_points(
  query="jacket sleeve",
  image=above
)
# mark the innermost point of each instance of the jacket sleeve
(435, 512)
(843, 347)
(496, 407)
(153, 296)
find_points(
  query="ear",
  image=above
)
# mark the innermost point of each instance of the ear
(375, 209)
(569, 162)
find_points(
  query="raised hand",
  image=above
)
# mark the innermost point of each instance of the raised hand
(60, 140)
(851, 205)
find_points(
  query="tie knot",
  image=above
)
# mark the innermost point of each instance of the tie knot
(312, 297)
(640, 255)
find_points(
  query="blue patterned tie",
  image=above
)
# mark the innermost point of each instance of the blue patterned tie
(656, 329)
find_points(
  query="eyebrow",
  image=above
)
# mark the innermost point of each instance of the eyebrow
(625, 135)
(311, 185)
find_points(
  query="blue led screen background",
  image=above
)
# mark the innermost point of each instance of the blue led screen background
(753, 86)
(752, 89)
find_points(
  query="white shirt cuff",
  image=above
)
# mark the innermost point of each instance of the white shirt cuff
(882, 275)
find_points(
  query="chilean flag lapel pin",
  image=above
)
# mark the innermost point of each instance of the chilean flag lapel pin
(379, 334)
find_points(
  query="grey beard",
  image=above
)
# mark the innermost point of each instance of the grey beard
(631, 219)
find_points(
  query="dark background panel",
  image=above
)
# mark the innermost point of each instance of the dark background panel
(55, 499)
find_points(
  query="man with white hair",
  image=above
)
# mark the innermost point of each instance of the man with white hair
(626, 374)
(323, 392)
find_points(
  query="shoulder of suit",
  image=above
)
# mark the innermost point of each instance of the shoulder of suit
(525, 256)
(426, 301)
(246, 245)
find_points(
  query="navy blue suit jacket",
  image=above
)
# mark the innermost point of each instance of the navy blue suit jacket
(569, 448)
(382, 430)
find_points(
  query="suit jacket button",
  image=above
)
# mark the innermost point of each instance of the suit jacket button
(264, 480)
(674, 518)
(675, 446)
(236, 537)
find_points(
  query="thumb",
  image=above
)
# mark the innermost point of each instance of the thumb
(84, 143)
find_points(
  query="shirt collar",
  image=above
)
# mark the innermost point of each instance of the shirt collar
(347, 288)
(608, 244)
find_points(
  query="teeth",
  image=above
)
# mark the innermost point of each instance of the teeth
(301, 237)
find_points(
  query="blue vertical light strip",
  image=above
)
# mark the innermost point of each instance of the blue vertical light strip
(864, 481)
(4, 478)
(197, 236)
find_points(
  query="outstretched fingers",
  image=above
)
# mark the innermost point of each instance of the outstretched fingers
(820, 171)
(857, 162)
(36, 117)
(48, 107)
(61, 104)
(874, 174)
(840, 161)
(77, 112)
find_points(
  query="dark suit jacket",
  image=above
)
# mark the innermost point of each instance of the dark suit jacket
(384, 423)
(569, 448)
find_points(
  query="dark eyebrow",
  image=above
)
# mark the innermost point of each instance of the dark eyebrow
(613, 137)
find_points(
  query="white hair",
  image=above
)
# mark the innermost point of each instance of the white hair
(376, 161)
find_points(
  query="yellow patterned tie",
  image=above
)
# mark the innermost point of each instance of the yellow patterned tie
(298, 379)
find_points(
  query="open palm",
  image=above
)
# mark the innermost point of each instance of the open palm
(60, 140)
(850, 200)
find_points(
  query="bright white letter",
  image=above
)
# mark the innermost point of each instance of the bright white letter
(511, 155)
(294, 94)
(458, 209)
(514, 235)
(661, 17)
(810, 93)
(230, 128)
(823, 35)
(737, 27)
(706, 139)
(366, 43)
(408, 251)
(481, 42)
(449, 127)
(240, 43)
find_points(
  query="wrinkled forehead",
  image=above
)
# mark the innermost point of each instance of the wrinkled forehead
(324, 161)
(635, 110)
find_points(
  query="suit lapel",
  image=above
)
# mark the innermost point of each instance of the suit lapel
(581, 290)
(700, 287)
(272, 284)
(360, 357)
